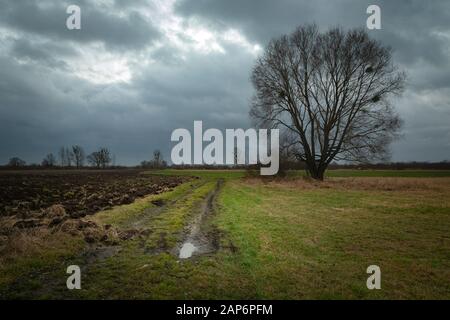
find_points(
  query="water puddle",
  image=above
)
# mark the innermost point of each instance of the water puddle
(187, 250)
(200, 239)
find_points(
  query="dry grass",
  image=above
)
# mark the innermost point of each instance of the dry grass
(29, 243)
(360, 183)
(24, 242)
(25, 251)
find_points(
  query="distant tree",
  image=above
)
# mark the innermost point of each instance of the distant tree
(156, 163)
(94, 159)
(236, 155)
(331, 91)
(69, 157)
(16, 162)
(100, 158)
(145, 164)
(105, 157)
(66, 157)
(62, 157)
(157, 158)
(78, 156)
(49, 160)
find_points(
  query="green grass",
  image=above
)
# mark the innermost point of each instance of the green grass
(344, 173)
(389, 173)
(318, 243)
(148, 268)
(207, 174)
(23, 275)
(279, 239)
(122, 215)
(339, 173)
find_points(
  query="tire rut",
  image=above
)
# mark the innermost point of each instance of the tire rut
(201, 238)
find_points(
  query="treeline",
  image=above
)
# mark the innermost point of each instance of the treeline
(68, 157)
(412, 165)
(443, 165)
(75, 157)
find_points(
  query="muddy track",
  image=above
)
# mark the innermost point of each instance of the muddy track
(150, 213)
(98, 252)
(201, 237)
(204, 237)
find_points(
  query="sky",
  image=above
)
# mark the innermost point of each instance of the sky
(139, 69)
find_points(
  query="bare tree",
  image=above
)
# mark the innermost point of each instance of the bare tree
(62, 157)
(156, 163)
(236, 155)
(49, 160)
(105, 157)
(78, 156)
(94, 159)
(157, 158)
(100, 158)
(65, 157)
(16, 162)
(329, 95)
(69, 157)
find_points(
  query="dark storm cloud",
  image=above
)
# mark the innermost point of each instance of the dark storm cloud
(41, 112)
(410, 27)
(214, 90)
(127, 30)
(54, 90)
(407, 25)
(418, 31)
(264, 19)
(43, 105)
(40, 53)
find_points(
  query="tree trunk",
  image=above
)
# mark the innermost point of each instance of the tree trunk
(317, 173)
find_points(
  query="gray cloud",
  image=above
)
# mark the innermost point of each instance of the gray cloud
(418, 32)
(117, 27)
(55, 90)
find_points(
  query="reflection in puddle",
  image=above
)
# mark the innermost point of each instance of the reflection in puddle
(187, 250)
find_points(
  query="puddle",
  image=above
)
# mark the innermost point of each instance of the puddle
(200, 240)
(187, 250)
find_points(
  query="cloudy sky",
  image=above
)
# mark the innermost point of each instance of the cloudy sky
(139, 69)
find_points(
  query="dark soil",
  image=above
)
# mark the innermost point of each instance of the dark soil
(80, 192)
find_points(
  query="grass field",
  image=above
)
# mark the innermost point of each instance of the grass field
(269, 238)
